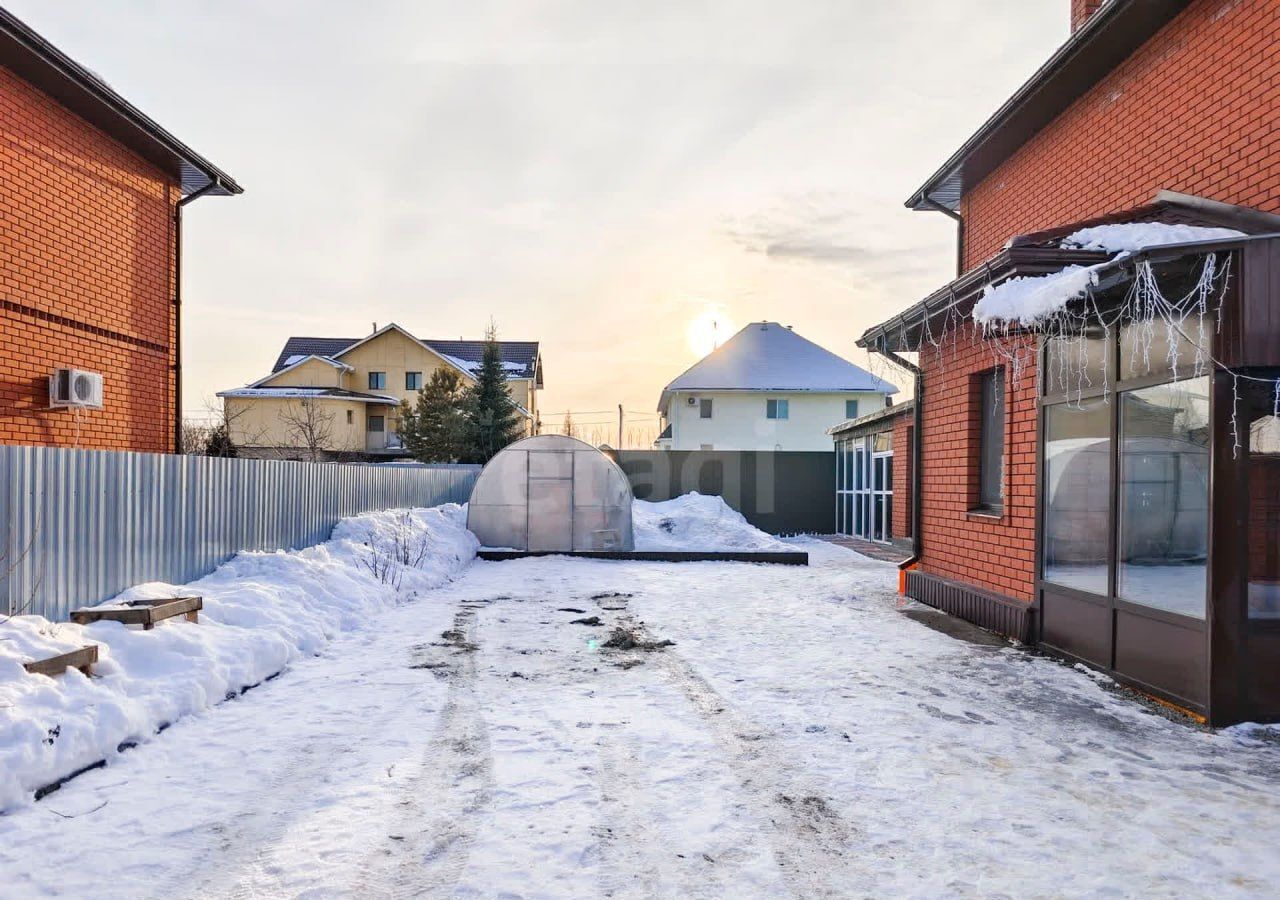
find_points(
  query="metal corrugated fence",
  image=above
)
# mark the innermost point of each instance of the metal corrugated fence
(79, 526)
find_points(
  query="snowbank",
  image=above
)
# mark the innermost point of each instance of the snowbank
(1030, 300)
(261, 611)
(696, 522)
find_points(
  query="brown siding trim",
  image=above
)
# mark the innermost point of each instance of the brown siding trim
(994, 612)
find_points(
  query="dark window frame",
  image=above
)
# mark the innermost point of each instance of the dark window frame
(377, 381)
(413, 387)
(705, 408)
(777, 408)
(988, 429)
(382, 424)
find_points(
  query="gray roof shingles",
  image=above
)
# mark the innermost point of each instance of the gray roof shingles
(522, 352)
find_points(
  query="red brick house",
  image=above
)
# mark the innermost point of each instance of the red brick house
(91, 205)
(1098, 398)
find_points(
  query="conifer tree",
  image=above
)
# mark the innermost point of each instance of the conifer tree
(493, 417)
(435, 429)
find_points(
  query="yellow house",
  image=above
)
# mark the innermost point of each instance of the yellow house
(339, 398)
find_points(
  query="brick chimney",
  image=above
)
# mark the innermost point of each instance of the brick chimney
(1081, 10)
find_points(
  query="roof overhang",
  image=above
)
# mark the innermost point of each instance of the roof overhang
(905, 333)
(1106, 39)
(304, 393)
(886, 415)
(46, 67)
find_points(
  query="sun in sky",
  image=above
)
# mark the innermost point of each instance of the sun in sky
(708, 330)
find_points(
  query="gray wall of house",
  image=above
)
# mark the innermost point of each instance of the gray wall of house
(781, 492)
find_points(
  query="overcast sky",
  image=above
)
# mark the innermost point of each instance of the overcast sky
(594, 175)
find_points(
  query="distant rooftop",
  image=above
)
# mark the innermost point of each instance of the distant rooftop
(767, 356)
(520, 358)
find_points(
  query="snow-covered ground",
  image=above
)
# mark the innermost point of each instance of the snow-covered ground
(804, 736)
(261, 612)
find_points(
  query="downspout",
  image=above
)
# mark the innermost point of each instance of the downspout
(947, 211)
(917, 457)
(177, 308)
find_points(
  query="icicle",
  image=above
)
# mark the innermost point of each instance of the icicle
(1235, 411)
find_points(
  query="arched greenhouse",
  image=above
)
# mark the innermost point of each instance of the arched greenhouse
(551, 492)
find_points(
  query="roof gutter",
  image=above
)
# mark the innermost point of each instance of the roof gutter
(106, 98)
(213, 186)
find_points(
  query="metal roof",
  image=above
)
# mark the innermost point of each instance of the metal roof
(769, 357)
(1106, 39)
(886, 415)
(522, 353)
(33, 58)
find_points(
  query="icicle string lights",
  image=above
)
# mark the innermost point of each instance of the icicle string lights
(1080, 331)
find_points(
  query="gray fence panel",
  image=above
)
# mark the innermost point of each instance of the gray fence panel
(78, 526)
(778, 491)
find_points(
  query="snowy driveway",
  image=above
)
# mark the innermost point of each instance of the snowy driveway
(802, 738)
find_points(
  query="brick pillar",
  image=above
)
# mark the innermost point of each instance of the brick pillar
(1081, 10)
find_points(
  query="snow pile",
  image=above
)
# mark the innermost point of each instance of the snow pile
(1030, 300)
(261, 612)
(697, 522)
(1133, 236)
(1033, 298)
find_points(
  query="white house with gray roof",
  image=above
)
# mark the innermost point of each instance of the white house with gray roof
(766, 388)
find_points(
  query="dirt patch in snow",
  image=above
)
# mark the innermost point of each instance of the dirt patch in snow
(626, 639)
(589, 620)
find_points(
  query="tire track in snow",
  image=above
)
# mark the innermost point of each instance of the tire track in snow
(628, 867)
(813, 846)
(241, 861)
(438, 818)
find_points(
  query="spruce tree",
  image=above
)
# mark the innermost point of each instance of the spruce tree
(492, 414)
(434, 429)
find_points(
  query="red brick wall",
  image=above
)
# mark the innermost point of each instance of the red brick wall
(1081, 10)
(1194, 110)
(903, 432)
(86, 278)
(994, 553)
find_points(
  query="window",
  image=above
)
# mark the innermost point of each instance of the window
(775, 409)
(413, 381)
(377, 381)
(1077, 494)
(377, 423)
(1257, 407)
(704, 408)
(351, 417)
(1076, 364)
(991, 440)
(1164, 496)
(851, 409)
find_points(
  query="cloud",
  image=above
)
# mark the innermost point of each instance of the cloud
(820, 229)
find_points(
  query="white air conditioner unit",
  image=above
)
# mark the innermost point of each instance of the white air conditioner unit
(75, 387)
(692, 401)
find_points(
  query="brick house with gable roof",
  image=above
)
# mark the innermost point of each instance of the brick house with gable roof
(1126, 520)
(91, 207)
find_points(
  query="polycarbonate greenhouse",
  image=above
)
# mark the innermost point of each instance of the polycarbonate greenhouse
(551, 492)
